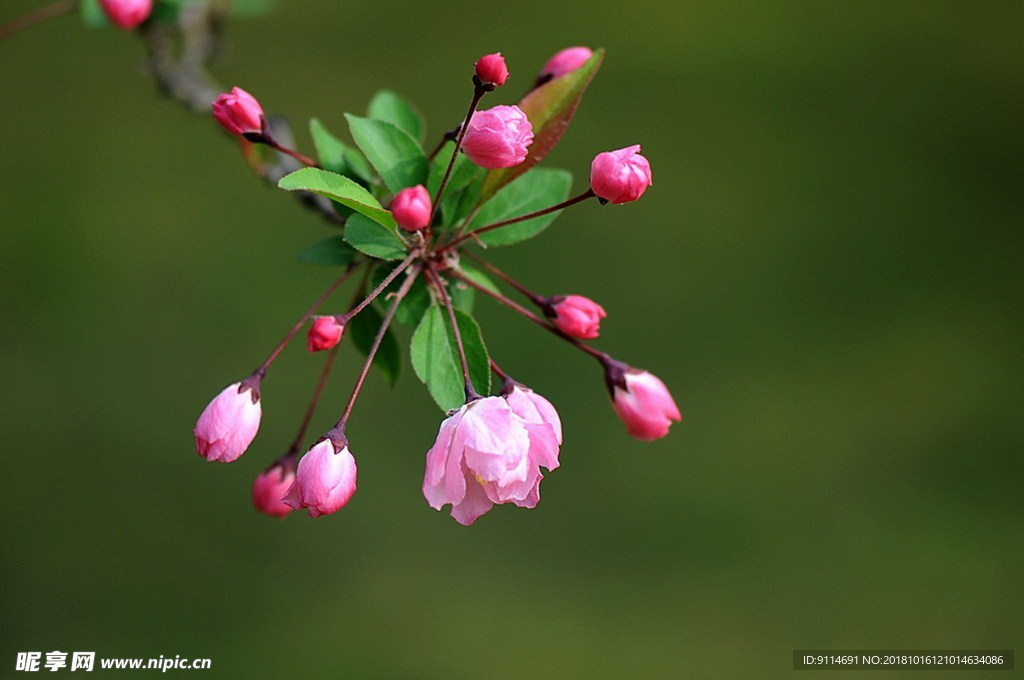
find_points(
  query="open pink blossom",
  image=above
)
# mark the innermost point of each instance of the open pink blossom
(325, 480)
(491, 70)
(576, 316)
(641, 401)
(324, 333)
(484, 454)
(127, 14)
(238, 112)
(565, 61)
(229, 423)
(411, 208)
(620, 176)
(545, 430)
(498, 137)
(269, 488)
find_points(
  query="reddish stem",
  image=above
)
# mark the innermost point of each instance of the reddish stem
(380, 288)
(402, 291)
(442, 292)
(534, 298)
(305, 160)
(447, 137)
(317, 391)
(302, 320)
(497, 370)
(38, 16)
(478, 94)
(522, 218)
(515, 306)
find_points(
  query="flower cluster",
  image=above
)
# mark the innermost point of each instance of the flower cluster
(409, 223)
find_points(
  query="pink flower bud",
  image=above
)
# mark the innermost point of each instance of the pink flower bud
(270, 486)
(566, 61)
(229, 423)
(620, 176)
(641, 401)
(238, 112)
(491, 70)
(411, 208)
(576, 316)
(498, 137)
(325, 480)
(127, 14)
(324, 333)
(486, 454)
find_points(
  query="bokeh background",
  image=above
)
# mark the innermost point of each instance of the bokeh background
(827, 273)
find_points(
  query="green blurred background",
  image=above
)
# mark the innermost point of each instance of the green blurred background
(827, 273)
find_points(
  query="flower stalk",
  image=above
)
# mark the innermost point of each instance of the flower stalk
(475, 234)
(449, 136)
(302, 158)
(505, 377)
(38, 16)
(347, 316)
(518, 308)
(538, 300)
(296, 446)
(478, 93)
(261, 371)
(339, 428)
(446, 301)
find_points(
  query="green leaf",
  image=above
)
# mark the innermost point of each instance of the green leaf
(435, 357)
(373, 238)
(359, 166)
(433, 362)
(338, 188)
(166, 11)
(397, 157)
(329, 149)
(463, 295)
(477, 356)
(337, 156)
(464, 172)
(390, 108)
(458, 206)
(364, 328)
(91, 13)
(478, 277)
(330, 252)
(550, 109)
(415, 303)
(533, 191)
(463, 190)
